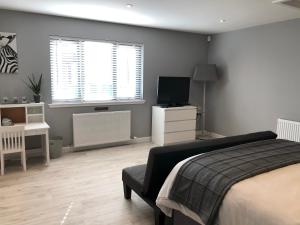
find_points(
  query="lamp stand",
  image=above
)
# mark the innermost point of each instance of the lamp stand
(203, 108)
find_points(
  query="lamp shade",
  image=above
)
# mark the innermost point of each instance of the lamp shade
(205, 72)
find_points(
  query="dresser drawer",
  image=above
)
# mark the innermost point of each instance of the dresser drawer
(180, 136)
(183, 125)
(175, 115)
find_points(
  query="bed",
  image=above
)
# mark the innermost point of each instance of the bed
(268, 197)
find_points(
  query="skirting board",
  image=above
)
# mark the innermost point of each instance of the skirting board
(209, 134)
(136, 140)
(215, 135)
(37, 152)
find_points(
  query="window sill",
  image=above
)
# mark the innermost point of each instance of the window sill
(90, 104)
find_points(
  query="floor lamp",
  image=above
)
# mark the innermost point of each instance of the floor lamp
(205, 73)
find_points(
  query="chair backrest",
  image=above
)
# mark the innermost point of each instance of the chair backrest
(12, 139)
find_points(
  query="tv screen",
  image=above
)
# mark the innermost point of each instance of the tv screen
(173, 91)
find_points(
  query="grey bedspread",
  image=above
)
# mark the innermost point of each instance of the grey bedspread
(202, 183)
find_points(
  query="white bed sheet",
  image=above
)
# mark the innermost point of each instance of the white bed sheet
(271, 198)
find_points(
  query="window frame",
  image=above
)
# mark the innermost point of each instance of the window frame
(79, 103)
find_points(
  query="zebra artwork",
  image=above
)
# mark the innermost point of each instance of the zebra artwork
(8, 53)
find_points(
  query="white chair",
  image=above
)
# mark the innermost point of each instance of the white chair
(12, 140)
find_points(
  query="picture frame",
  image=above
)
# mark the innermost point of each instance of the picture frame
(8, 53)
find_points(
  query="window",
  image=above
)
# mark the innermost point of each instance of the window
(92, 71)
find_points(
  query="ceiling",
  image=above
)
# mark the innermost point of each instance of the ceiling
(201, 16)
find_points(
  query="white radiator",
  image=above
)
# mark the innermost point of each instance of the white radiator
(101, 128)
(289, 130)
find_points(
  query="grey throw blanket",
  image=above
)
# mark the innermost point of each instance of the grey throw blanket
(202, 182)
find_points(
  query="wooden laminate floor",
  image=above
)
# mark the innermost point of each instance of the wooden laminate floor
(82, 188)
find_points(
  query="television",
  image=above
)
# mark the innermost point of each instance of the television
(173, 91)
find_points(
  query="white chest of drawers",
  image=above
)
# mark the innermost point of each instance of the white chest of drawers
(173, 125)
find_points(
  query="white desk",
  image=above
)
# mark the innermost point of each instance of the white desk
(31, 116)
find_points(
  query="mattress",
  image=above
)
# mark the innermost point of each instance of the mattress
(270, 198)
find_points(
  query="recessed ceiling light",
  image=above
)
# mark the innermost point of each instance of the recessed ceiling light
(129, 6)
(222, 21)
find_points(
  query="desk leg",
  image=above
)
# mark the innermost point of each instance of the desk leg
(45, 147)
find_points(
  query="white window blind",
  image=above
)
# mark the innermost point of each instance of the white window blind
(91, 71)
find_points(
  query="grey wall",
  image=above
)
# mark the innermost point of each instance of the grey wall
(165, 53)
(260, 78)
